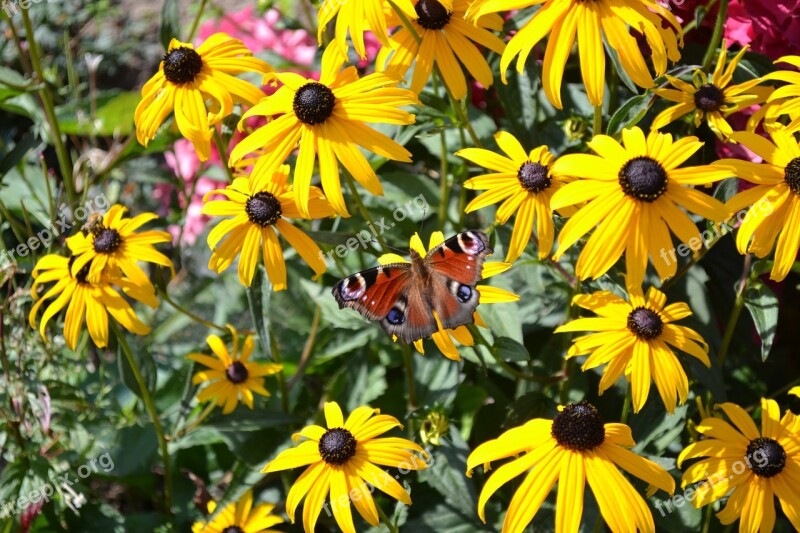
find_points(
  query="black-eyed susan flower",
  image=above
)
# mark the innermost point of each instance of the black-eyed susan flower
(756, 466)
(259, 214)
(443, 338)
(573, 448)
(635, 339)
(434, 427)
(94, 300)
(325, 119)
(443, 38)
(711, 99)
(112, 246)
(232, 376)
(340, 459)
(355, 18)
(776, 221)
(240, 517)
(186, 78)
(522, 181)
(592, 21)
(633, 192)
(784, 101)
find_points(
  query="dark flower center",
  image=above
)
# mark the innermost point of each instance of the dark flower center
(263, 209)
(792, 175)
(709, 98)
(337, 446)
(432, 15)
(645, 323)
(237, 372)
(579, 427)
(106, 240)
(533, 177)
(182, 65)
(766, 457)
(82, 273)
(643, 178)
(233, 529)
(313, 103)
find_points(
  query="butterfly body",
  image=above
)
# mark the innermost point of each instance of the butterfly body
(403, 297)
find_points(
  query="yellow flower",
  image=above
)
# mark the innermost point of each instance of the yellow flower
(634, 340)
(592, 21)
(111, 246)
(795, 391)
(711, 99)
(325, 119)
(257, 215)
(783, 101)
(94, 299)
(442, 37)
(186, 78)
(632, 194)
(523, 183)
(340, 459)
(777, 194)
(355, 18)
(757, 465)
(486, 295)
(240, 517)
(434, 427)
(232, 375)
(575, 447)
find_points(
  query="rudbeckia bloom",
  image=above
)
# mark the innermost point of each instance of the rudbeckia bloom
(575, 447)
(186, 78)
(522, 181)
(634, 339)
(784, 100)
(94, 299)
(633, 192)
(711, 99)
(232, 375)
(326, 119)
(442, 37)
(340, 459)
(443, 338)
(240, 517)
(777, 194)
(111, 245)
(258, 213)
(757, 465)
(592, 21)
(355, 18)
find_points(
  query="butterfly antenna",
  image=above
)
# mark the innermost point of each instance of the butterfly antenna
(422, 220)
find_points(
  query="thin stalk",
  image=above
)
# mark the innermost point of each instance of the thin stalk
(351, 184)
(151, 410)
(386, 520)
(408, 363)
(716, 37)
(195, 422)
(223, 154)
(481, 340)
(196, 21)
(305, 357)
(738, 305)
(194, 317)
(62, 153)
(597, 125)
(626, 405)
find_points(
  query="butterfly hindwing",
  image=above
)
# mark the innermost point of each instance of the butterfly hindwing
(373, 292)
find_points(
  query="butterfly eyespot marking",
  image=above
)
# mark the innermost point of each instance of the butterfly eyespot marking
(464, 293)
(395, 317)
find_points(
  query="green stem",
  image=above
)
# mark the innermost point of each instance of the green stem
(597, 125)
(481, 340)
(351, 184)
(183, 310)
(626, 405)
(223, 155)
(194, 423)
(62, 154)
(386, 520)
(196, 21)
(151, 410)
(738, 305)
(716, 37)
(408, 363)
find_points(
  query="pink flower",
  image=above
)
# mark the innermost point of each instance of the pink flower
(776, 26)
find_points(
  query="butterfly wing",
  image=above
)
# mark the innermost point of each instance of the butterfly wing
(456, 266)
(388, 295)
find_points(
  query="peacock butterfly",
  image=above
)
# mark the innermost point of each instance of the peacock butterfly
(403, 296)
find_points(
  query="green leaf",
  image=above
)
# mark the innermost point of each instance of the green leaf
(147, 367)
(437, 380)
(630, 114)
(510, 350)
(762, 304)
(446, 472)
(14, 80)
(170, 22)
